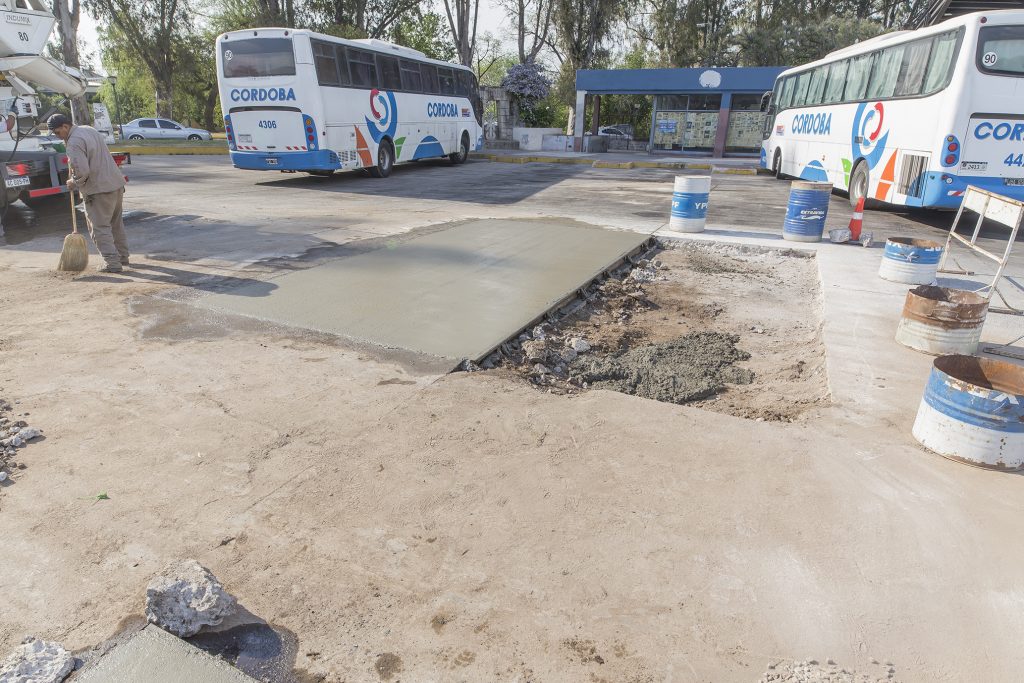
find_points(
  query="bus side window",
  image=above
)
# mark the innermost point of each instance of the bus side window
(390, 75)
(943, 53)
(343, 76)
(857, 78)
(885, 73)
(816, 90)
(430, 83)
(447, 80)
(412, 81)
(800, 92)
(915, 61)
(836, 81)
(363, 67)
(326, 63)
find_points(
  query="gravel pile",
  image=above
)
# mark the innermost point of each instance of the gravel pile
(15, 434)
(813, 671)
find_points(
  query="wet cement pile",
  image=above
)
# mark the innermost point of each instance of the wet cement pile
(692, 367)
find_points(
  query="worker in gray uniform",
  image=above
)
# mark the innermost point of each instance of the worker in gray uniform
(95, 174)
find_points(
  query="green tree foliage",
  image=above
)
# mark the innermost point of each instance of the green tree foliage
(426, 32)
(783, 43)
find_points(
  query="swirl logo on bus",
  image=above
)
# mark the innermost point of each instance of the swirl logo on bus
(385, 115)
(868, 140)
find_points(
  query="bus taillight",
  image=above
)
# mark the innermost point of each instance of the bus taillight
(311, 137)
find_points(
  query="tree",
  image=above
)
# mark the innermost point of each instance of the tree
(532, 19)
(463, 27)
(359, 18)
(780, 43)
(68, 14)
(581, 27)
(156, 32)
(424, 31)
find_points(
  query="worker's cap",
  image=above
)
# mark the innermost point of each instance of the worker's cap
(57, 120)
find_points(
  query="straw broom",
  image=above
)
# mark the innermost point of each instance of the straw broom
(74, 257)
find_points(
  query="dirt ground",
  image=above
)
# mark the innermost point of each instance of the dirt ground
(468, 527)
(730, 329)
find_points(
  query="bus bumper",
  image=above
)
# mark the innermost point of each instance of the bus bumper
(320, 160)
(946, 190)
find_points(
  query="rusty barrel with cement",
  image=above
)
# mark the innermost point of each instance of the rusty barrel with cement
(973, 411)
(806, 211)
(910, 260)
(940, 320)
(690, 198)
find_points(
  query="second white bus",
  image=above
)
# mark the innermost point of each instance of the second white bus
(295, 100)
(909, 118)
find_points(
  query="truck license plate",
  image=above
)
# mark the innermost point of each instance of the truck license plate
(18, 181)
(1013, 181)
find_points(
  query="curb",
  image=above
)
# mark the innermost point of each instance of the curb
(625, 165)
(170, 149)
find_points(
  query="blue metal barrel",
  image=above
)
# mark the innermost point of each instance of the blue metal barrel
(909, 260)
(806, 212)
(690, 203)
(973, 411)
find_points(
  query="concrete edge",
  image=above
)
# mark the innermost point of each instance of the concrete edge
(170, 149)
(601, 163)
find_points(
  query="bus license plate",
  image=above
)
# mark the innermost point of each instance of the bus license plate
(19, 181)
(245, 137)
(1013, 181)
(974, 165)
(271, 161)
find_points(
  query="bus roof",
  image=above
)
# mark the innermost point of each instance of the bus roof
(1001, 16)
(372, 44)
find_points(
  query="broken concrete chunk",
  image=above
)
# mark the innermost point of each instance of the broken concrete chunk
(569, 355)
(37, 661)
(540, 332)
(579, 345)
(184, 597)
(17, 441)
(535, 350)
(29, 433)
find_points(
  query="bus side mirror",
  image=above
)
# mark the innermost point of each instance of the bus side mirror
(766, 100)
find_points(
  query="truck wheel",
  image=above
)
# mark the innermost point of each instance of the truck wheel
(463, 153)
(385, 160)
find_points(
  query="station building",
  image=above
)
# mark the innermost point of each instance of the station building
(714, 112)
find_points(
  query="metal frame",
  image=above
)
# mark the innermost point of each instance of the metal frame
(997, 208)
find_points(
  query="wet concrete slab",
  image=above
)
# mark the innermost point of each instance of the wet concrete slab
(455, 293)
(155, 656)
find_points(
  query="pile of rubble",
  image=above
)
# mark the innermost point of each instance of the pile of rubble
(813, 671)
(14, 434)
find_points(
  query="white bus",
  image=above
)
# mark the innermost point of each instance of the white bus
(909, 118)
(295, 100)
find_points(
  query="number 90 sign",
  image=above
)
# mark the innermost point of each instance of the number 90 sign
(989, 59)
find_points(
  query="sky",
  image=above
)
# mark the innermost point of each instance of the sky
(492, 19)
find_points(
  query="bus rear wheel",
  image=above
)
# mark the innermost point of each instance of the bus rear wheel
(463, 153)
(859, 184)
(385, 160)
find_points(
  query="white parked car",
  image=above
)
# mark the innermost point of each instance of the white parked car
(613, 132)
(162, 129)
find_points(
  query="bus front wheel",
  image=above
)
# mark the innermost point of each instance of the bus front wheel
(463, 153)
(777, 164)
(859, 184)
(385, 160)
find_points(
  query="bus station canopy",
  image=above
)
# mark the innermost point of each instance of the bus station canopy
(939, 11)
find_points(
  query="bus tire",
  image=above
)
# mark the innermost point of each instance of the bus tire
(385, 160)
(777, 165)
(463, 153)
(859, 183)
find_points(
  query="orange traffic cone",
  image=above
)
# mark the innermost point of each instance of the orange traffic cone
(857, 221)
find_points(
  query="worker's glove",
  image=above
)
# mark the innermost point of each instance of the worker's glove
(72, 185)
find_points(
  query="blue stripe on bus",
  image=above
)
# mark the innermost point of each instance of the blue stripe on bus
(320, 160)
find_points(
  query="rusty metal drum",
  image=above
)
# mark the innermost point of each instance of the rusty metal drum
(941, 320)
(910, 260)
(973, 411)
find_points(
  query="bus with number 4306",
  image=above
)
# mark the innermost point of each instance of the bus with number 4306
(295, 100)
(908, 118)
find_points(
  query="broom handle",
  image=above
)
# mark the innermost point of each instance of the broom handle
(74, 213)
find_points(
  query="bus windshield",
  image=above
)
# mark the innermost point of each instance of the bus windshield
(1001, 50)
(254, 57)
